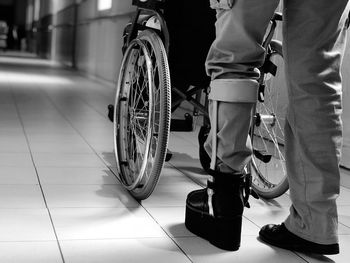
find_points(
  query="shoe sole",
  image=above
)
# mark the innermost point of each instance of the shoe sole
(224, 233)
(303, 248)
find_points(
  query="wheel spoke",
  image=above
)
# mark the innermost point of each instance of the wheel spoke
(268, 138)
(142, 130)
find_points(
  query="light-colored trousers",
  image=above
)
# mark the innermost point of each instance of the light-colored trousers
(313, 46)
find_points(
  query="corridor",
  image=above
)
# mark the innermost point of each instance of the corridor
(60, 200)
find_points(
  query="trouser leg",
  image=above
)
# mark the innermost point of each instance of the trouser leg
(233, 143)
(215, 213)
(232, 63)
(313, 44)
(236, 52)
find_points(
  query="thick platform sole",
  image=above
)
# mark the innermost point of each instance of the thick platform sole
(224, 233)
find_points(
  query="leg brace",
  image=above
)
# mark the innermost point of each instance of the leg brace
(229, 90)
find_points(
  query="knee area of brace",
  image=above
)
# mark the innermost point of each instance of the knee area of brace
(234, 90)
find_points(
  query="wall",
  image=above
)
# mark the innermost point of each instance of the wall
(99, 38)
(20, 12)
(83, 37)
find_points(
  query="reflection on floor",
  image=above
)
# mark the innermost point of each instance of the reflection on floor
(61, 202)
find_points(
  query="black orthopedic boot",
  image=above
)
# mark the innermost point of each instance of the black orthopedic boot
(215, 213)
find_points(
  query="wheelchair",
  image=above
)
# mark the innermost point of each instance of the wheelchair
(143, 107)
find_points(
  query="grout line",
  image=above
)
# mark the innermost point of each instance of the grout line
(300, 256)
(113, 172)
(186, 175)
(37, 174)
(172, 238)
(81, 135)
(345, 168)
(340, 223)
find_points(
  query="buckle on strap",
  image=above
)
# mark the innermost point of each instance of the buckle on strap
(210, 192)
(248, 190)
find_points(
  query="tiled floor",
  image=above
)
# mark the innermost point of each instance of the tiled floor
(59, 198)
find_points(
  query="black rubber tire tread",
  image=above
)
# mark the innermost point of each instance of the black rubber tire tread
(153, 41)
(165, 113)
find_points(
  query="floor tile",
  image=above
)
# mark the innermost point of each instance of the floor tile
(344, 196)
(170, 195)
(345, 177)
(283, 200)
(177, 143)
(25, 225)
(87, 196)
(342, 229)
(344, 214)
(53, 137)
(15, 127)
(343, 257)
(104, 223)
(146, 250)
(266, 215)
(60, 147)
(18, 175)
(13, 145)
(30, 252)
(67, 160)
(21, 196)
(251, 250)
(187, 138)
(102, 147)
(172, 176)
(188, 163)
(76, 175)
(49, 128)
(172, 220)
(15, 159)
(96, 132)
(186, 152)
(108, 158)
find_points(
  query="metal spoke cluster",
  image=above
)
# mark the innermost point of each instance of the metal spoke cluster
(268, 138)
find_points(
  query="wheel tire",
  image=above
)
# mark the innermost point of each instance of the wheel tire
(142, 114)
(269, 179)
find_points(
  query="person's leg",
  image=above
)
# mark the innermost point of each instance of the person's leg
(313, 46)
(215, 213)
(232, 62)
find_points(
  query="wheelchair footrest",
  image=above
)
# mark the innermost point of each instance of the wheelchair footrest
(168, 156)
(110, 112)
(182, 124)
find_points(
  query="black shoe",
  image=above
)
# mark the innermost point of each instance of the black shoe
(215, 213)
(279, 236)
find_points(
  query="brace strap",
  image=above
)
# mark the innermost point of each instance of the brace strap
(226, 180)
(234, 90)
(214, 128)
(210, 193)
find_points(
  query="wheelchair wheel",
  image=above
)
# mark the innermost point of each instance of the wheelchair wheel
(268, 168)
(142, 114)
